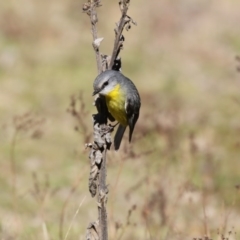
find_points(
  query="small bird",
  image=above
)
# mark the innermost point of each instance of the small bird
(122, 100)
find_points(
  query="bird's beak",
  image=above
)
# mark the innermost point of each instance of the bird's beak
(95, 92)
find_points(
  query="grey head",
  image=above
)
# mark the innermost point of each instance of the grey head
(105, 82)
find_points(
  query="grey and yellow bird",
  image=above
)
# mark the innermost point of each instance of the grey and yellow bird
(122, 100)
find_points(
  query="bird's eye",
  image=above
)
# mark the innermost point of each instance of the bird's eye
(105, 84)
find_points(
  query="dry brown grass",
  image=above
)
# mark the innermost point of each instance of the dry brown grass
(182, 169)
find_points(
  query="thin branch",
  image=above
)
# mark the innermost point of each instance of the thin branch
(102, 199)
(66, 202)
(119, 38)
(90, 9)
(75, 215)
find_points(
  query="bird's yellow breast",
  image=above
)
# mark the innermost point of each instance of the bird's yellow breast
(116, 105)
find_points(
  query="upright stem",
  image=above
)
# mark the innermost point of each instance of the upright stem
(118, 32)
(90, 9)
(94, 21)
(102, 131)
(102, 199)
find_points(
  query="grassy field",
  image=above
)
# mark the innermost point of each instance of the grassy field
(179, 178)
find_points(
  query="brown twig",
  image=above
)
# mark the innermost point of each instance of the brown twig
(78, 110)
(90, 8)
(119, 38)
(128, 222)
(102, 199)
(97, 179)
(24, 123)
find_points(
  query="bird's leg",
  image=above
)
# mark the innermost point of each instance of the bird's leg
(110, 127)
(114, 125)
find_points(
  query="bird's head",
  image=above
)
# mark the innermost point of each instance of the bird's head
(105, 83)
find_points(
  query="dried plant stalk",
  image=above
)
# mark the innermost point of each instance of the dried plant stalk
(102, 131)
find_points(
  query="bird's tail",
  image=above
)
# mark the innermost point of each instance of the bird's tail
(118, 136)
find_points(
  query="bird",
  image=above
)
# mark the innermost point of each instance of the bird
(122, 100)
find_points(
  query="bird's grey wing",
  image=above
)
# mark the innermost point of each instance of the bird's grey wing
(132, 111)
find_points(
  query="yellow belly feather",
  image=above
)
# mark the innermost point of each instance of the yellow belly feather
(116, 105)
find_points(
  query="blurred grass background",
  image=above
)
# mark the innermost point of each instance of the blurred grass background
(180, 176)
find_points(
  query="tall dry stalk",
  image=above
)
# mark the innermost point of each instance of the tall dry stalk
(101, 130)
